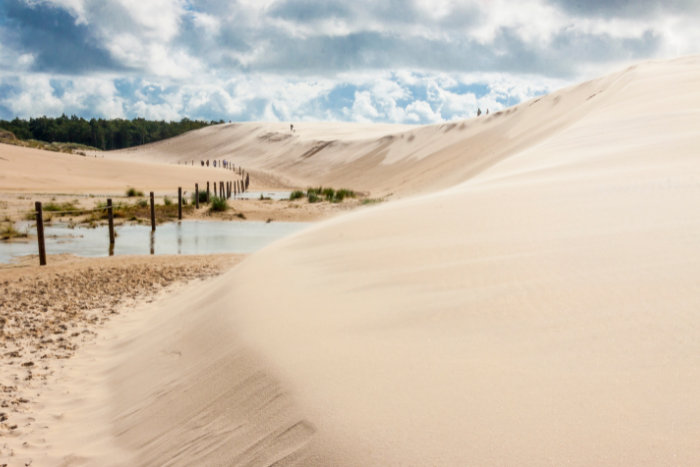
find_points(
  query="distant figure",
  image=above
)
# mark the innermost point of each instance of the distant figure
(478, 112)
(487, 111)
(291, 127)
(214, 163)
(207, 162)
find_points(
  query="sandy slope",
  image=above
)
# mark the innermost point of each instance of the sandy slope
(33, 170)
(544, 312)
(386, 159)
(539, 306)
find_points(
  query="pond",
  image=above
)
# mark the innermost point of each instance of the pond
(185, 238)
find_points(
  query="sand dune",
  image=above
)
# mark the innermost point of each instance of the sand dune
(33, 170)
(387, 159)
(536, 305)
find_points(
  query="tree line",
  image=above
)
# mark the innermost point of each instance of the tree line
(102, 134)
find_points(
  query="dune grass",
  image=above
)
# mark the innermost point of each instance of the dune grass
(133, 192)
(202, 197)
(9, 232)
(297, 194)
(218, 204)
(315, 195)
(372, 201)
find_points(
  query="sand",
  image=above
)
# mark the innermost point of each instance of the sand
(50, 314)
(528, 296)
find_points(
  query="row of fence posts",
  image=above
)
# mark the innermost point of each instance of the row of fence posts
(232, 188)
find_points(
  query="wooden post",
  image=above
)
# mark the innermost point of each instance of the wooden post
(153, 213)
(214, 189)
(196, 194)
(110, 218)
(221, 189)
(207, 192)
(40, 233)
(179, 203)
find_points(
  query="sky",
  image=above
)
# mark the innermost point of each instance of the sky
(411, 61)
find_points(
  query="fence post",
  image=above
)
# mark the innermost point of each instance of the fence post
(207, 192)
(110, 218)
(153, 213)
(179, 203)
(196, 194)
(40, 233)
(214, 189)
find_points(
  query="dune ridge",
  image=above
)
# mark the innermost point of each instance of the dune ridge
(388, 159)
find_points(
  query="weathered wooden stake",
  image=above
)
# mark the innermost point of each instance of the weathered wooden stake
(153, 213)
(207, 192)
(196, 194)
(110, 219)
(221, 189)
(214, 189)
(40, 233)
(179, 203)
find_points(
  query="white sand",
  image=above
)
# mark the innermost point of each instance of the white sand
(537, 305)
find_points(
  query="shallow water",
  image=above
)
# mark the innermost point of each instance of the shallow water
(186, 238)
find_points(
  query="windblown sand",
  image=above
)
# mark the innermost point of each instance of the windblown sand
(528, 297)
(47, 314)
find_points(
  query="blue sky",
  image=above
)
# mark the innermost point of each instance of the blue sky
(413, 61)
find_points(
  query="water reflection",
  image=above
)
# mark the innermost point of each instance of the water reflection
(187, 237)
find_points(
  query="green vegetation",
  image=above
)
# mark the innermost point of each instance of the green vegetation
(131, 192)
(8, 232)
(69, 208)
(167, 201)
(343, 193)
(139, 212)
(297, 194)
(372, 200)
(96, 133)
(314, 191)
(329, 194)
(218, 204)
(202, 197)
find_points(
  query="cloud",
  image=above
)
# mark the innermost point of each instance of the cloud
(397, 60)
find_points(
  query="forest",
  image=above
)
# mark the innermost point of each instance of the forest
(99, 133)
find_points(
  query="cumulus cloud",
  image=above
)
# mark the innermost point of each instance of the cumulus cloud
(413, 61)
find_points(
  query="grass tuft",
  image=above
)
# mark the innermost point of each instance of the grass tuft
(202, 197)
(297, 194)
(373, 200)
(133, 192)
(9, 232)
(218, 204)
